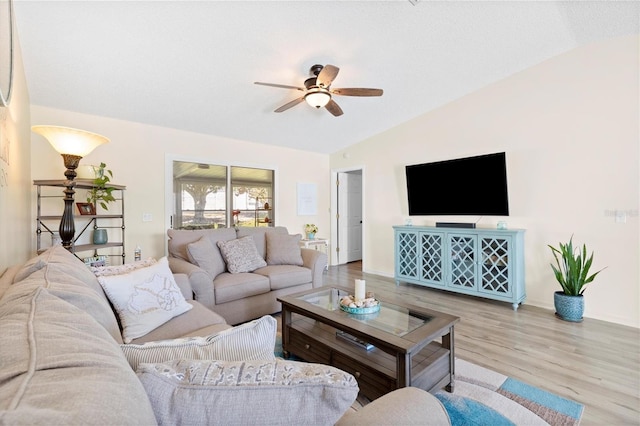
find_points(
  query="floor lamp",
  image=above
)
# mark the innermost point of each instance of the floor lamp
(73, 144)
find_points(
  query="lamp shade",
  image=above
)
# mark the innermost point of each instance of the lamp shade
(317, 99)
(66, 140)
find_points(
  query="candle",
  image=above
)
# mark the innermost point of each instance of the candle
(360, 290)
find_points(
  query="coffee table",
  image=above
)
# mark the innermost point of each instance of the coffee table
(404, 345)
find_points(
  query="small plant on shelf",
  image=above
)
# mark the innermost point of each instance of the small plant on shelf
(101, 193)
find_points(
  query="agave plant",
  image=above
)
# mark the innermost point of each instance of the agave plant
(572, 268)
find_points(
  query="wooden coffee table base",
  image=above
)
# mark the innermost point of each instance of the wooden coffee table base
(424, 362)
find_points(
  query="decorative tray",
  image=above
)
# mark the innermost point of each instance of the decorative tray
(369, 306)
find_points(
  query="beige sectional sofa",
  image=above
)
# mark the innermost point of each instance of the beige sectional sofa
(242, 296)
(62, 361)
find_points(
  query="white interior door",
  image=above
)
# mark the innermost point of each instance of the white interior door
(342, 221)
(349, 218)
(354, 216)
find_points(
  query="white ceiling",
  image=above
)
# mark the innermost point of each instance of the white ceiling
(191, 65)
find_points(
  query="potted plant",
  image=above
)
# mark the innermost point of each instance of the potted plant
(101, 193)
(572, 272)
(310, 229)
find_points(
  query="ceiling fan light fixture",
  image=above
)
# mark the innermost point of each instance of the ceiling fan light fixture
(317, 98)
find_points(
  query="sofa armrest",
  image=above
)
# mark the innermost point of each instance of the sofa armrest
(404, 406)
(317, 262)
(200, 280)
(185, 286)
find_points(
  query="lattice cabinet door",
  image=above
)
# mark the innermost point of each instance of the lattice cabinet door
(462, 261)
(407, 254)
(495, 269)
(432, 258)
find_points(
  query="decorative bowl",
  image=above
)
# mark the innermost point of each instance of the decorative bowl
(361, 311)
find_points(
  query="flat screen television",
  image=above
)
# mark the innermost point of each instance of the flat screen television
(464, 186)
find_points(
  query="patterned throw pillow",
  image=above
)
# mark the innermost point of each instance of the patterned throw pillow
(144, 298)
(241, 255)
(247, 392)
(252, 340)
(283, 249)
(104, 271)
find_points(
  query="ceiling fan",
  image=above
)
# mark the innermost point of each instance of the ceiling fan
(318, 91)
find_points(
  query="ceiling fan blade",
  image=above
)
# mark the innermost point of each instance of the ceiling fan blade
(290, 104)
(282, 86)
(334, 108)
(357, 91)
(327, 75)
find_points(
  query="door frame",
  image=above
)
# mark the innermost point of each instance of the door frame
(333, 257)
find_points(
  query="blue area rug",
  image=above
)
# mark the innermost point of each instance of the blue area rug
(483, 397)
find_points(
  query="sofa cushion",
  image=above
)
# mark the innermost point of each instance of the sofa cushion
(228, 287)
(66, 277)
(283, 276)
(252, 340)
(241, 255)
(194, 319)
(60, 366)
(247, 392)
(144, 298)
(258, 235)
(6, 278)
(180, 238)
(283, 249)
(202, 252)
(31, 266)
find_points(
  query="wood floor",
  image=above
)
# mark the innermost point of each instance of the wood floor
(594, 362)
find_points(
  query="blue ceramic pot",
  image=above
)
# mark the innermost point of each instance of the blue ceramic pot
(568, 308)
(100, 236)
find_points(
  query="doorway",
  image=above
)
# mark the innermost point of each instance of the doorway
(347, 222)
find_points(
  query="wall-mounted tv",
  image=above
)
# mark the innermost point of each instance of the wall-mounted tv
(463, 186)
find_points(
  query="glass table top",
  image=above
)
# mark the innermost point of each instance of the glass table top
(390, 318)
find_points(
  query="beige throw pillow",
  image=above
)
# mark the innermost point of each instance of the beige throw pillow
(144, 298)
(247, 392)
(241, 255)
(253, 340)
(283, 249)
(202, 252)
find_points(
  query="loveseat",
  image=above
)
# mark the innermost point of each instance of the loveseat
(62, 358)
(239, 294)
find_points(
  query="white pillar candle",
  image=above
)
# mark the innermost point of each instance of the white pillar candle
(360, 289)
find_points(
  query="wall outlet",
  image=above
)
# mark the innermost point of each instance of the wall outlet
(147, 217)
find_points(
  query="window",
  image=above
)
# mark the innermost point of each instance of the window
(212, 196)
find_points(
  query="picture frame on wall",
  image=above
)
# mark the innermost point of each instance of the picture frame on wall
(86, 208)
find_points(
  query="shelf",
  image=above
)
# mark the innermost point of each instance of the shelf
(113, 219)
(79, 183)
(87, 247)
(84, 216)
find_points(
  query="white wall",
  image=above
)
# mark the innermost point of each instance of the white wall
(16, 226)
(570, 127)
(137, 154)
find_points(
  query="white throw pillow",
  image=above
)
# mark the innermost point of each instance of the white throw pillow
(253, 340)
(144, 298)
(241, 255)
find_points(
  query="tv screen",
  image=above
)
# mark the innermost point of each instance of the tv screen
(464, 186)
